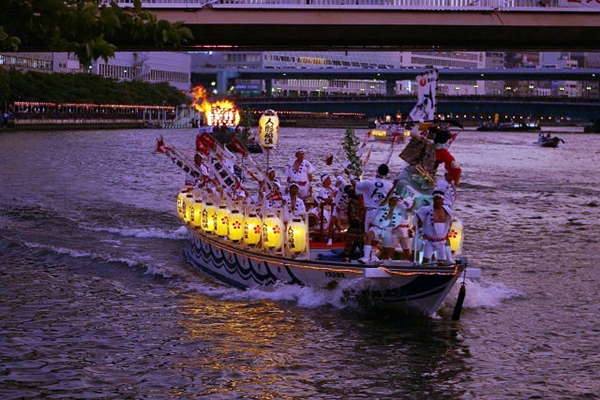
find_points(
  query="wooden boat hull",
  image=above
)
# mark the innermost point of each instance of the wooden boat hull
(399, 285)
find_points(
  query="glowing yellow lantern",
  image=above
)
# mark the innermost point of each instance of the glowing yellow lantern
(197, 208)
(222, 220)
(209, 215)
(272, 232)
(180, 200)
(268, 128)
(296, 235)
(455, 237)
(236, 225)
(188, 205)
(252, 229)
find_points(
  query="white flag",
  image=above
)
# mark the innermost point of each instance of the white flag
(425, 108)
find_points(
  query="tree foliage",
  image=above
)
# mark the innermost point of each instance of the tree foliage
(84, 88)
(84, 27)
(350, 143)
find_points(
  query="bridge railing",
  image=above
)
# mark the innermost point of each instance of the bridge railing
(439, 5)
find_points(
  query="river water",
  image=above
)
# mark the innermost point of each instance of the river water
(97, 301)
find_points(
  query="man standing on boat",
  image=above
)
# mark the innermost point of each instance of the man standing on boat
(434, 222)
(300, 171)
(373, 191)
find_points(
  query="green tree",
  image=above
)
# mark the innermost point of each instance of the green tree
(350, 143)
(84, 88)
(86, 28)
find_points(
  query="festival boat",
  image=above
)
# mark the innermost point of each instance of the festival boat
(526, 126)
(246, 244)
(548, 141)
(388, 130)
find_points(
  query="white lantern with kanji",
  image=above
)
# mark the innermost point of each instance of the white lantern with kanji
(188, 204)
(268, 129)
(209, 215)
(180, 200)
(272, 232)
(296, 235)
(197, 208)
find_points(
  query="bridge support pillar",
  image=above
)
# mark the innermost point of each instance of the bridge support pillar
(223, 79)
(268, 87)
(390, 87)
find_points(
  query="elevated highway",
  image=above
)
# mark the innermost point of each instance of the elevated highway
(226, 78)
(398, 74)
(475, 25)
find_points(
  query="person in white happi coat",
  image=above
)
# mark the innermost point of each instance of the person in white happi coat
(192, 179)
(324, 200)
(293, 205)
(300, 171)
(434, 222)
(389, 226)
(373, 191)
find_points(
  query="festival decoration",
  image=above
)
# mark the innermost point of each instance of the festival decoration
(209, 215)
(197, 208)
(236, 225)
(272, 232)
(222, 220)
(180, 200)
(268, 128)
(188, 204)
(455, 237)
(252, 229)
(297, 235)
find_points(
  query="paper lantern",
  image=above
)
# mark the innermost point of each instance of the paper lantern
(455, 237)
(252, 229)
(209, 215)
(180, 200)
(272, 232)
(296, 235)
(222, 220)
(197, 208)
(188, 204)
(268, 128)
(236, 225)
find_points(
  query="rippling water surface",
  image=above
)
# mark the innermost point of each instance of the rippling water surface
(96, 300)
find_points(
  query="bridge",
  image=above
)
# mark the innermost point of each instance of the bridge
(474, 25)
(225, 78)
(467, 109)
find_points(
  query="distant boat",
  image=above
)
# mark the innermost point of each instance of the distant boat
(548, 141)
(525, 126)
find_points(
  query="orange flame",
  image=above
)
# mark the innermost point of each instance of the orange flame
(219, 113)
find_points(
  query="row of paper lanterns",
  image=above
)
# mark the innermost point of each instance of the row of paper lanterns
(239, 226)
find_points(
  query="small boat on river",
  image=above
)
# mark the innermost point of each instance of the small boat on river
(548, 140)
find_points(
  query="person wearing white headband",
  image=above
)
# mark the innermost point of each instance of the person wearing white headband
(434, 224)
(300, 171)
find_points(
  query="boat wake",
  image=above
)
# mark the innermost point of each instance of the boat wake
(483, 294)
(304, 297)
(147, 233)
